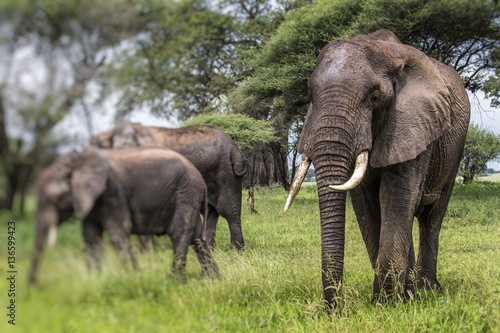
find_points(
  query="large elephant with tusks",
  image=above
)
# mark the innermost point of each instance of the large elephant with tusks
(387, 123)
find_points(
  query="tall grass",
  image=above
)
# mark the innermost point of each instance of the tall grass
(274, 285)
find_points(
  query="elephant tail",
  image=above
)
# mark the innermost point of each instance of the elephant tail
(239, 162)
(205, 214)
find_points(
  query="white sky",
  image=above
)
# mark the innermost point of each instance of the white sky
(486, 116)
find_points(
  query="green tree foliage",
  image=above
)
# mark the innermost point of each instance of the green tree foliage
(481, 147)
(287, 60)
(464, 34)
(246, 132)
(191, 55)
(492, 86)
(250, 135)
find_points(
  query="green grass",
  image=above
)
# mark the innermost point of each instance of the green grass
(272, 286)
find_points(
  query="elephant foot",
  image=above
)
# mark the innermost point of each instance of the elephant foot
(392, 290)
(386, 297)
(237, 246)
(424, 283)
(211, 271)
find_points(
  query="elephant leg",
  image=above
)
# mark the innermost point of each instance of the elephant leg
(233, 217)
(400, 192)
(410, 269)
(144, 242)
(234, 222)
(212, 218)
(430, 221)
(229, 207)
(92, 236)
(207, 262)
(181, 232)
(365, 201)
(120, 241)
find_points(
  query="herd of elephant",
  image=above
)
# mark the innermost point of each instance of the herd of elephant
(385, 122)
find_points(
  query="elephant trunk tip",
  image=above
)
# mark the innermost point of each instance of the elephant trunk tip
(357, 176)
(297, 181)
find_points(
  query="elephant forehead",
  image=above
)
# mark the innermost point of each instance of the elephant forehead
(342, 63)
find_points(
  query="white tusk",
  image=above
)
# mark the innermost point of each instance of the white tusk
(297, 181)
(357, 175)
(52, 236)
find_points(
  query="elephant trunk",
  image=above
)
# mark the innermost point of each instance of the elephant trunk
(337, 141)
(332, 169)
(46, 224)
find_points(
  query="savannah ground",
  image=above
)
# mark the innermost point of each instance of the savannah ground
(272, 286)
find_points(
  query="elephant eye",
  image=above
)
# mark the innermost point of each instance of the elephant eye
(375, 97)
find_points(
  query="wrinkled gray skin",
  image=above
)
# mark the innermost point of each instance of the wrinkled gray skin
(211, 151)
(373, 93)
(130, 191)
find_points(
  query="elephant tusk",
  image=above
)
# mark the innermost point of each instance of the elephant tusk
(357, 175)
(297, 181)
(52, 236)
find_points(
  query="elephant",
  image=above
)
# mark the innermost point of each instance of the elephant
(211, 151)
(387, 123)
(141, 190)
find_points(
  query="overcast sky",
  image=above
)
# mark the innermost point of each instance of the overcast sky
(486, 116)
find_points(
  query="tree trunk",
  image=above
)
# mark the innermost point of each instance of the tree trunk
(267, 165)
(251, 200)
(294, 161)
(8, 199)
(11, 188)
(25, 175)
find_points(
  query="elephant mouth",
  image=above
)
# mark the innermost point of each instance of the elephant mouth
(357, 176)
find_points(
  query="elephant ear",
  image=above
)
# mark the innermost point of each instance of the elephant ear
(88, 182)
(421, 111)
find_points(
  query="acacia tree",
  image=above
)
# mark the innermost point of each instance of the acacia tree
(464, 34)
(481, 147)
(492, 86)
(461, 33)
(250, 135)
(190, 55)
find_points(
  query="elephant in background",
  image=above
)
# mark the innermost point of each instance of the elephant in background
(211, 151)
(389, 124)
(130, 191)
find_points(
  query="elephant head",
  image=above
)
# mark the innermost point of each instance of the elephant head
(123, 135)
(71, 184)
(375, 102)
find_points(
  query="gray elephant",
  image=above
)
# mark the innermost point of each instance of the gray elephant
(211, 151)
(389, 124)
(138, 190)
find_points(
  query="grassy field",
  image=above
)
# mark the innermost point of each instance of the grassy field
(272, 286)
(491, 178)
